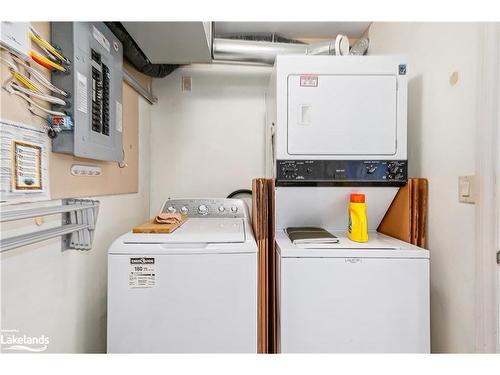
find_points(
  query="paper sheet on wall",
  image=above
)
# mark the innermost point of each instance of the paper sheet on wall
(24, 151)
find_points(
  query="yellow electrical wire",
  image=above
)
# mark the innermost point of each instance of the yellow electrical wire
(48, 46)
(24, 81)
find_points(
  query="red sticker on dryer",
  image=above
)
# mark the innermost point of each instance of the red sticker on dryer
(309, 80)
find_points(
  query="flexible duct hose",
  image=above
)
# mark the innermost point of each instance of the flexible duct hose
(136, 57)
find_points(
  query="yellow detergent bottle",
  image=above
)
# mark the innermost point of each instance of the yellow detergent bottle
(358, 223)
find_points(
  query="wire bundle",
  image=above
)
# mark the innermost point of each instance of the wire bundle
(54, 59)
(30, 84)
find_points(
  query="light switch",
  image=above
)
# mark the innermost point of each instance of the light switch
(186, 83)
(466, 189)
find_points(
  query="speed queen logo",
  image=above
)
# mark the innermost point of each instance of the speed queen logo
(142, 260)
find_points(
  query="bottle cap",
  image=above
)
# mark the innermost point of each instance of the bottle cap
(357, 198)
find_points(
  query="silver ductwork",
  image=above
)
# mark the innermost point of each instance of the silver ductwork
(249, 51)
(253, 51)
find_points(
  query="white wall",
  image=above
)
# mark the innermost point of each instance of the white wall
(62, 295)
(210, 141)
(441, 135)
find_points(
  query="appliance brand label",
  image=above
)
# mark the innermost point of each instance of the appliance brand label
(142, 273)
(309, 80)
(101, 39)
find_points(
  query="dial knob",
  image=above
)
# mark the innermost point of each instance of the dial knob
(202, 209)
(234, 209)
(171, 209)
(184, 210)
(371, 168)
(393, 167)
(221, 209)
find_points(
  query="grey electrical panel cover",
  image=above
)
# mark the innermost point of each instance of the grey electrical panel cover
(94, 82)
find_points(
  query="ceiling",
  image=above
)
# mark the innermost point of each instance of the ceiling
(190, 42)
(297, 30)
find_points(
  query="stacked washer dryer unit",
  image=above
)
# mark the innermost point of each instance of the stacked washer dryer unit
(193, 290)
(337, 125)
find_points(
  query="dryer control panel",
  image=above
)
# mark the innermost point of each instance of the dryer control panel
(341, 172)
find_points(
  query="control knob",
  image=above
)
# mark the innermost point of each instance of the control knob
(184, 210)
(171, 209)
(202, 209)
(234, 209)
(221, 209)
(393, 167)
(371, 168)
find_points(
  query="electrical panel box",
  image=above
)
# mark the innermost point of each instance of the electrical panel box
(94, 82)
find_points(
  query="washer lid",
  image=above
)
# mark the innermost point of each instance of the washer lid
(196, 230)
(378, 246)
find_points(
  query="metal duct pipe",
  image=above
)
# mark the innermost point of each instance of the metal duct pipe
(253, 51)
(266, 52)
(323, 48)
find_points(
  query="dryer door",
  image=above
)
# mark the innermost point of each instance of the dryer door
(342, 115)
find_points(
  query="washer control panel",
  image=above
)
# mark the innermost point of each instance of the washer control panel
(207, 207)
(342, 172)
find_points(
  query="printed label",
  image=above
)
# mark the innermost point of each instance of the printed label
(142, 273)
(81, 93)
(101, 39)
(119, 114)
(309, 80)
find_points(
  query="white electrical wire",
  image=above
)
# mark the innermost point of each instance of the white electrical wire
(44, 97)
(13, 87)
(11, 90)
(9, 64)
(40, 78)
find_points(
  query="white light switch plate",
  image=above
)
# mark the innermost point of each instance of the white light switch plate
(466, 189)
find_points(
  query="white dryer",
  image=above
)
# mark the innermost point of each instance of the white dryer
(354, 297)
(194, 290)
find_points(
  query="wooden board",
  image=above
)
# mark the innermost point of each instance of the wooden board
(259, 223)
(114, 180)
(406, 218)
(273, 274)
(397, 221)
(151, 227)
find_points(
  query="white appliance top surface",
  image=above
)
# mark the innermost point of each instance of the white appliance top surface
(378, 246)
(195, 230)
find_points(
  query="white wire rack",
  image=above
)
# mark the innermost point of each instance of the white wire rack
(79, 217)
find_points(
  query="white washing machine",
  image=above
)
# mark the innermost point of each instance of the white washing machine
(353, 297)
(193, 290)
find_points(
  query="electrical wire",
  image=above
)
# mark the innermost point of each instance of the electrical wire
(31, 101)
(42, 96)
(46, 46)
(19, 76)
(45, 62)
(240, 191)
(39, 77)
(25, 81)
(12, 87)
